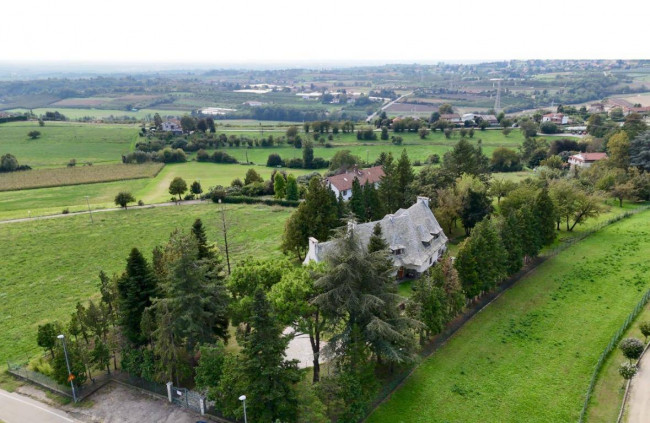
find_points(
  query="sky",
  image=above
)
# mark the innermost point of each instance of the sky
(333, 31)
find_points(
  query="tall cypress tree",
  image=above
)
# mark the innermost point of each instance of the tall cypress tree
(510, 231)
(377, 242)
(545, 214)
(389, 186)
(356, 201)
(405, 176)
(136, 289)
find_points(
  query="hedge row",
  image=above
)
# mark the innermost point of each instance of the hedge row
(240, 199)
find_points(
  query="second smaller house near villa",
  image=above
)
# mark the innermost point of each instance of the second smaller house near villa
(173, 127)
(586, 159)
(342, 183)
(415, 239)
(557, 118)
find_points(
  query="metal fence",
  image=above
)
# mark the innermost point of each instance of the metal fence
(436, 342)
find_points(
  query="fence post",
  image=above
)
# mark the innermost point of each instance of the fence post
(169, 391)
(202, 405)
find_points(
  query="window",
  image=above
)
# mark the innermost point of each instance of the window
(398, 251)
(426, 243)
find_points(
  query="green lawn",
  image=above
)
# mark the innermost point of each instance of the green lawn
(607, 397)
(61, 141)
(49, 265)
(528, 357)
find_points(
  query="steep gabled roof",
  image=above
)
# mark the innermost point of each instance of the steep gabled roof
(407, 230)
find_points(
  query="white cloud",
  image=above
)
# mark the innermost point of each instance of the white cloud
(336, 30)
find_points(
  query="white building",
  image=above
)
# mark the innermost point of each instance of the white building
(342, 183)
(557, 118)
(413, 235)
(173, 127)
(586, 159)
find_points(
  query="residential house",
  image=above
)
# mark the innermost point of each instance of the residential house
(585, 160)
(415, 239)
(173, 127)
(473, 117)
(451, 117)
(253, 103)
(342, 183)
(557, 118)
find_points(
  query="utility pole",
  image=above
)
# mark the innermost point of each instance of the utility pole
(89, 211)
(225, 234)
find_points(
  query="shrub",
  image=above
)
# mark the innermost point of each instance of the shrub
(319, 163)
(65, 211)
(140, 203)
(433, 159)
(548, 128)
(202, 156)
(274, 160)
(627, 370)
(253, 200)
(253, 189)
(631, 348)
(295, 163)
(41, 365)
(222, 157)
(645, 329)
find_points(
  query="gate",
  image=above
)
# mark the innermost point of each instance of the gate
(187, 399)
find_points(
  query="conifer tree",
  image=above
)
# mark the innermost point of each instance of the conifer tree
(136, 289)
(373, 207)
(356, 201)
(405, 177)
(377, 242)
(201, 240)
(279, 186)
(545, 214)
(510, 229)
(389, 186)
(269, 376)
(292, 188)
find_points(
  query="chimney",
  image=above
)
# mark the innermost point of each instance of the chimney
(424, 200)
(312, 242)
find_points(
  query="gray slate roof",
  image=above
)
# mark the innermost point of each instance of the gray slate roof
(406, 229)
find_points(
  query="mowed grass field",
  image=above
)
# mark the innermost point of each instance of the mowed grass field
(49, 265)
(61, 141)
(529, 355)
(62, 176)
(44, 201)
(80, 113)
(607, 398)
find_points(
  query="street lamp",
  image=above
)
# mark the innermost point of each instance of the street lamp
(67, 363)
(242, 398)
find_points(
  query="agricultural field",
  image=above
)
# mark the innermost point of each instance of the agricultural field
(62, 176)
(80, 113)
(48, 278)
(44, 201)
(529, 355)
(61, 141)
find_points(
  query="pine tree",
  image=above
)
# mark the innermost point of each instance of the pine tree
(269, 376)
(356, 201)
(201, 240)
(373, 207)
(530, 234)
(341, 207)
(545, 214)
(136, 288)
(377, 242)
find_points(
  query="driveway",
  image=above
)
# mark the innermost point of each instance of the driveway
(16, 408)
(639, 396)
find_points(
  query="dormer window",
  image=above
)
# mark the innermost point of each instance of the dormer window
(397, 251)
(426, 243)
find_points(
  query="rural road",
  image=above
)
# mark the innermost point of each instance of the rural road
(386, 106)
(639, 395)
(16, 408)
(55, 216)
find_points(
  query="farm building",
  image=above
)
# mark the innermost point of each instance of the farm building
(557, 118)
(491, 119)
(342, 183)
(585, 160)
(413, 235)
(173, 127)
(451, 117)
(254, 103)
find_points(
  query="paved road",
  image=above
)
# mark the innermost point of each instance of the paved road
(55, 216)
(386, 106)
(639, 396)
(16, 408)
